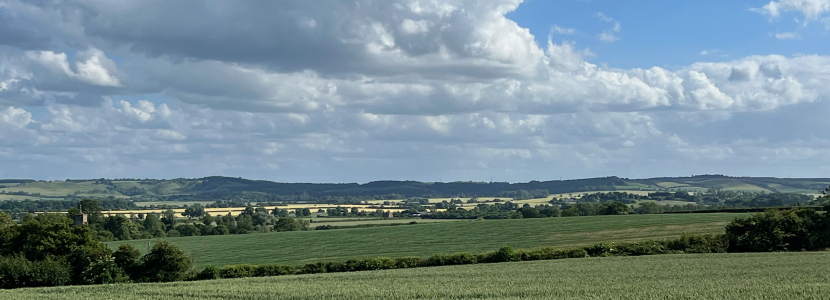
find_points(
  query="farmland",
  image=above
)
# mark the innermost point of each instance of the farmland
(700, 276)
(211, 188)
(298, 247)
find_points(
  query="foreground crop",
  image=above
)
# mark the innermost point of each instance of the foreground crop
(698, 276)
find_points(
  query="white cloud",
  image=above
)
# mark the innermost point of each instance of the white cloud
(91, 66)
(609, 36)
(811, 9)
(787, 35)
(16, 118)
(562, 30)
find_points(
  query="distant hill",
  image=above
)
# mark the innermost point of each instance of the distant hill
(217, 187)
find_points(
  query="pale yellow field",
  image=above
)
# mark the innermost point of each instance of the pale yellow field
(235, 211)
(173, 203)
(538, 201)
(669, 185)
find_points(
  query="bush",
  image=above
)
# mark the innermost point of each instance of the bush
(237, 271)
(221, 230)
(504, 254)
(17, 272)
(706, 243)
(103, 273)
(570, 253)
(449, 260)
(210, 272)
(273, 270)
(408, 262)
(641, 248)
(778, 230)
(601, 250)
(105, 235)
(315, 268)
(368, 264)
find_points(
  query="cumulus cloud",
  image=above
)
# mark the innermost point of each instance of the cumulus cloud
(304, 88)
(811, 9)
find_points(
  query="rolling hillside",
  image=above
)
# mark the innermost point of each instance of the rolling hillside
(211, 188)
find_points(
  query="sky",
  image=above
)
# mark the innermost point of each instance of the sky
(428, 90)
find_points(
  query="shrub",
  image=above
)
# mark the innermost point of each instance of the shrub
(504, 254)
(273, 270)
(315, 268)
(103, 273)
(454, 259)
(210, 272)
(368, 264)
(408, 262)
(777, 230)
(237, 271)
(17, 272)
(570, 253)
(640, 248)
(706, 243)
(601, 250)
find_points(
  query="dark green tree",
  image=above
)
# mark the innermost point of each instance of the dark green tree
(5, 220)
(126, 258)
(154, 226)
(194, 211)
(169, 218)
(164, 263)
(92, 209)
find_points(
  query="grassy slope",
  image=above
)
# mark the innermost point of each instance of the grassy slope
(428, 239)
(703, 276)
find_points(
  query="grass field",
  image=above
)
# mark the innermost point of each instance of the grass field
(702, 276)
(317, 222)
(299, 247)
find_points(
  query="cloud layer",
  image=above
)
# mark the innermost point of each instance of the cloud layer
(362, 90)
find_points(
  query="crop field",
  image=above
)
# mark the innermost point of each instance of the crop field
(321, 222)
(237, 210)
(700, 276)
(666, 202)
(537, 201)
(172, 203)
(299, 247)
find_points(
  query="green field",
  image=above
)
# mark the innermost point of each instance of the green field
(701, 276)
(299, 247)
(318, 223)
